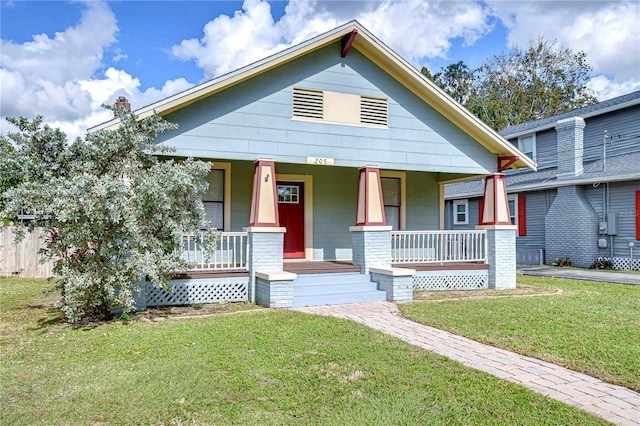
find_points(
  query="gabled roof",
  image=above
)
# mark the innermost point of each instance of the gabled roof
(374, 50)
(603, 107)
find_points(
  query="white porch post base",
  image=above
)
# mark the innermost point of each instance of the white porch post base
(396, 282)
(274, 289)
(371, 246)
(501, 255)
(265, 252)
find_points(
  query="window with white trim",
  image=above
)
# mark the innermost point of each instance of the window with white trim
(513, 209)
(391, 195)
(461, 212)
(527, 144)
(213, 199)
(288, 194)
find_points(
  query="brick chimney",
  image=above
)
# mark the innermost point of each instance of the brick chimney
(570, 134)
(122, 102)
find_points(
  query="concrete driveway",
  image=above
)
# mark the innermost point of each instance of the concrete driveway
(582, 274)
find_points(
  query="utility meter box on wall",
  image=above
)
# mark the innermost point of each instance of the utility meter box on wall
(612, 224)
(602, 228)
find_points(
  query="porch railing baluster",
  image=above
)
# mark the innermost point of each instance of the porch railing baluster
(230, 254)
(438, 246)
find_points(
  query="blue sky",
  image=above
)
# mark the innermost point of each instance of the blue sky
(63, 59)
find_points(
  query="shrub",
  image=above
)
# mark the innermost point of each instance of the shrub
(601, 263)
(562, 261)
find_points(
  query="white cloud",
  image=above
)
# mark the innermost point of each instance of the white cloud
(607, 88)
(249, 35)
(56, 77)
(607, 31)
(414, 29)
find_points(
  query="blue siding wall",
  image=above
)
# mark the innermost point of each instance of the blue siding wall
(546, 149)
(474, 204)
(622, 205)
(537, 204)
(423, 202)
(624, 122)
(253, 120)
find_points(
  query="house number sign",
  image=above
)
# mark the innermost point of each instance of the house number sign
(320, 161)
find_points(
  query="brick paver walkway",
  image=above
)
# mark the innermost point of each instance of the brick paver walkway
(614, 403)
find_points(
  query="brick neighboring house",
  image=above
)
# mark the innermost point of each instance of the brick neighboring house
(583, 202)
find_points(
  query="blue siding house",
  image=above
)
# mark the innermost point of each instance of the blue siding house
(583, 202)
(328, 151)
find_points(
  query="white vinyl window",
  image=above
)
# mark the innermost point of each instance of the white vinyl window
(527, 144)
(513, 209)
(461, 212)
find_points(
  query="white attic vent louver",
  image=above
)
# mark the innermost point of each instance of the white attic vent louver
(307, 103)
(373, 111)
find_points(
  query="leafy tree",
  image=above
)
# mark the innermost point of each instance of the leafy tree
(10, 173)
(458, 80)
(528, 84)
(521, 85)
(115, 212)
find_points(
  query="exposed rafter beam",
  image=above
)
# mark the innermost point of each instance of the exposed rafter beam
(346, 42)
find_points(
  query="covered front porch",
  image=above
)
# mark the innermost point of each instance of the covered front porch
(430, 260)
(386, 264)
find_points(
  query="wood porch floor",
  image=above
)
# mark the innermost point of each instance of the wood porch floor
(328, 266)
(332, 266)
(319, 267)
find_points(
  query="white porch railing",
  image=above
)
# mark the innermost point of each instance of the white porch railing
(438, 246)
(231, 252)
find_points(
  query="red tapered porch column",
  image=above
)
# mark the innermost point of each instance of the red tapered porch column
(266, 237)
(370, 211)
(371, 237)
(501, 235)
(495, 208)
(264, 200)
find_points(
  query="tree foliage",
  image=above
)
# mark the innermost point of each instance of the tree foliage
(114, 211)
(522, 85)
(457, 80)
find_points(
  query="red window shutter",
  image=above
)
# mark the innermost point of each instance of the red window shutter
(480, 210)
(522, 216)
(637, 215)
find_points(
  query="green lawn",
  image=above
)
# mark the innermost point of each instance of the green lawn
(258, 367)
(588, 327)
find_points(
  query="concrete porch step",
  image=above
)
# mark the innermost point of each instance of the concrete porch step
(335, 288)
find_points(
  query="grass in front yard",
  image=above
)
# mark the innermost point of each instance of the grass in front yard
(260, 367)
(589, 327)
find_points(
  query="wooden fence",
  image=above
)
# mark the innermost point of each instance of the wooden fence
(22, 260)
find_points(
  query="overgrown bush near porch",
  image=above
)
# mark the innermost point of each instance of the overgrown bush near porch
(587, 327)
(258, 367)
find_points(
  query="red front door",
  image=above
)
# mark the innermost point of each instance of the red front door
(291, 213)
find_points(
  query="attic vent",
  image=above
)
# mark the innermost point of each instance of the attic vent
(340, 108)
(307, 103)
(373, 111)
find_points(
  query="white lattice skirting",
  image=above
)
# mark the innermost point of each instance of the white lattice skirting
(624, 263)
(202, 290)
(451, 280)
